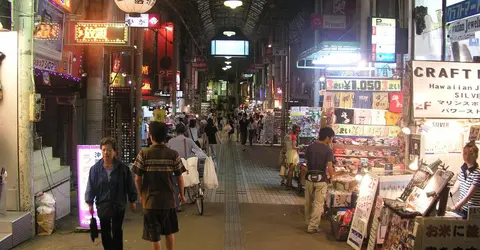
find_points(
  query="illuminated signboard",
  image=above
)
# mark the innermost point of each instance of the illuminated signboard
(101, 33)
(66, 4)
(87, 156)
(46, 31)
(145, 70)
(383, 39)
(142, 20)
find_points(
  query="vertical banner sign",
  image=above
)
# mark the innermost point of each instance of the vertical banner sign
(383, 40)
(87, 156)
(365, 201)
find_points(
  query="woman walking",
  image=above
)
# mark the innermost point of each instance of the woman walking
(109, 184)
(193, 130)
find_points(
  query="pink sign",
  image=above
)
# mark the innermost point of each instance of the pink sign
(87, 156)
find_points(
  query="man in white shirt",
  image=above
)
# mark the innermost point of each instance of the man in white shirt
(184, 146)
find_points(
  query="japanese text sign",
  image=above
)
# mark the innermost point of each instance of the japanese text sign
(101, 33)
(463, 9)
(363, 85)
(446, 90)
(87, 156)
(450, 234)
(362, 130)
(365, 201)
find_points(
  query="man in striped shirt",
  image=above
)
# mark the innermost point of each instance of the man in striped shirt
(468, 181)
(155, 168)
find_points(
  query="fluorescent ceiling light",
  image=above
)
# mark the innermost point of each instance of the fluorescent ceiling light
(229, 33)
(351, 68)
(233, 3)
(228, 57)
(228, 62)
(224, 68)
(338, 59)
(228, 66)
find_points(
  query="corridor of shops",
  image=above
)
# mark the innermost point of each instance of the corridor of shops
(249, 210)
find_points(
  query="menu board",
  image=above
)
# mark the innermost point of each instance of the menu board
(363, 210)
(87, 156)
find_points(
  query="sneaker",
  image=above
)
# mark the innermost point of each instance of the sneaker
(315, 231)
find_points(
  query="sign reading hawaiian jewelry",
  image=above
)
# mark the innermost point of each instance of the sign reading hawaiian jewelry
(363, 85)
(463, 9)
(446, 90)
(464, 29)
(101, 33)
(383, 39)
(363, 210)
(363, 130)
(46, 31)
(87, 156)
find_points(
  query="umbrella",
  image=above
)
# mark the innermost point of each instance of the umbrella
(93, 229)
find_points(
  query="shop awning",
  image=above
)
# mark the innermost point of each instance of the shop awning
(329, 53)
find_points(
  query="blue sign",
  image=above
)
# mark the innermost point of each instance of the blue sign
(385, 57)
(463, 9)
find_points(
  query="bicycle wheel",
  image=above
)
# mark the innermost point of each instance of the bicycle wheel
(199, 202)
(191, 194)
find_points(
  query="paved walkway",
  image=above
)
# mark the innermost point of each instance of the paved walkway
(248, 211)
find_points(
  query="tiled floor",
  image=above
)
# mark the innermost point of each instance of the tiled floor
(249, 210)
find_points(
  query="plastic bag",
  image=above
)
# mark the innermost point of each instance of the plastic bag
(45, 199)
(191, 176)
(45, 210)
(210, 175)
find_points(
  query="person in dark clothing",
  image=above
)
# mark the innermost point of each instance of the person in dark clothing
(252, 127)
(243, 124)
(211, 132)
(109, 184)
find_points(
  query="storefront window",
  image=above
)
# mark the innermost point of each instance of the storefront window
(428, 30)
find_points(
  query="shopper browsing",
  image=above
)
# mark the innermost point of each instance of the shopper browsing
(155, 168)
(319, 160)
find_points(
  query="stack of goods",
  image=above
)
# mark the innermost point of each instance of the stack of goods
(365, 124)
(309, 120)
(340, 221)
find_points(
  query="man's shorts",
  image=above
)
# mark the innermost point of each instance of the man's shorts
(158, 222)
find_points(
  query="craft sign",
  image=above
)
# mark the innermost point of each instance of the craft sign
(363, 85)
(46, 31)
(101, 33)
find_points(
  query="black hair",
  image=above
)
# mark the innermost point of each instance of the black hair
(193, 123)
(158, 131)
(180, 128)
(108, 140)
(210, 122)
(326, 132)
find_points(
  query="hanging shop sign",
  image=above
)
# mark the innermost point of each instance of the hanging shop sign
(382, 39)
(101, 33)
(363, 130)
(461, 10)
(446, 90)
(363, 210)
(143, 21)
(363, 85)
(87, 156)
(46, 31)
(146, 86)
(117, 79)
(65, 4)
(45, 64)
(464, 29)
(329, 21)
(47, 43)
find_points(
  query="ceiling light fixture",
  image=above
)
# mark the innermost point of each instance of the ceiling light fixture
(233, 4)
(228, 66)
(229, 33)
(228, 57)
(228, 62)
(224, 68)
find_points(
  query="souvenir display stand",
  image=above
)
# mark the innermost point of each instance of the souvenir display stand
(393, 223)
